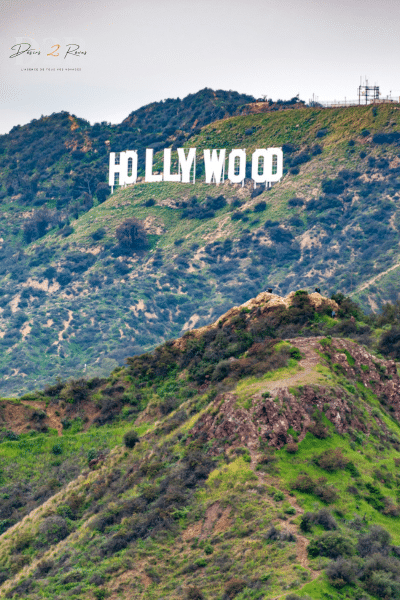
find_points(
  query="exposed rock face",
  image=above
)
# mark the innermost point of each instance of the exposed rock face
(271, 418)
(380, 376)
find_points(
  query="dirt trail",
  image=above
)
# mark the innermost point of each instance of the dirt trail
(66, 325)
(308, 347)
(371, 281)
(301, 541)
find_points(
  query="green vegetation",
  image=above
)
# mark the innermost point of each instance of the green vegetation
(181, 471)
(254, 458)
(201, 248)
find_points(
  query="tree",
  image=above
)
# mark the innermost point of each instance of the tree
(131, 235)
(131, 438)
(389, 343)
(38, 225)
(102, 192)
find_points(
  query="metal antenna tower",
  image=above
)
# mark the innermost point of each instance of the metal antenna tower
(371, 92)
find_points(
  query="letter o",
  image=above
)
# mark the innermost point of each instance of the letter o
(241, 155)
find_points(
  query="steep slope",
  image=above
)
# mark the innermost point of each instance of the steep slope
(72, 296)
(264, 468)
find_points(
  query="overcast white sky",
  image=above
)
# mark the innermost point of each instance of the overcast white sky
(139, 51)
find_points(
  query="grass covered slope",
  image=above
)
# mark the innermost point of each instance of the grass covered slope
(228, 463)
(73, 295)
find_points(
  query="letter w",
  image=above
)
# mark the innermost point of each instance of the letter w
(214, 165)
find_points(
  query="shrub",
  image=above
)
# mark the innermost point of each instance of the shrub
(37, 225)
(386, 138)
(193, 593)
(381, 576)
(275, 534)
(322, 517)
(295, 353)
(382, 585)
(331, 460)
(333, 545)
(75, 391)
(307, 522)
(98, 234)
(44, 566)
(316, 149)
(64, 277)
(389, 343)
(327, 493)
(24, 540)
(115, 544)
(319, 430)
(257, 192)
(66, 231)
(57, 449)
(377, 540)
(267, 459)
(102, 192)
(260, 207)
(296, 202)
(304, 483)
(216, 203)
(233, 588)
(352, 469)
(279, 235)
(131, 235)
(333, 186)
(131, 438)
(54, 529)
(4, 525)
(168, 405)
(342, 572)
(292, 448)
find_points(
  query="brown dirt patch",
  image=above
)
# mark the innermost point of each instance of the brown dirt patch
(194, 531)
(215, 521)
(224, 522)
(211, 516)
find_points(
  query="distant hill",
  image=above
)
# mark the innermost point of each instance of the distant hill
(76, 300)
(256, 457)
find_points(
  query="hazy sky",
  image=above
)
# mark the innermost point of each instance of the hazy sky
(139, 51)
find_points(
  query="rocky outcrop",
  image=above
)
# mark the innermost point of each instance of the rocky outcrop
(290, 412)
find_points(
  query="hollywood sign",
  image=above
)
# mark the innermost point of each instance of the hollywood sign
(266, 166)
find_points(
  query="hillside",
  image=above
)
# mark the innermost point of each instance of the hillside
(228, 463)
(73, 301)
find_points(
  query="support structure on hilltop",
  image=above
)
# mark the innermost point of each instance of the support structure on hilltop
(371, 92)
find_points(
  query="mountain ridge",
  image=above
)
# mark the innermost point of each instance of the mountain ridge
(228, 463)
(332, 222)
